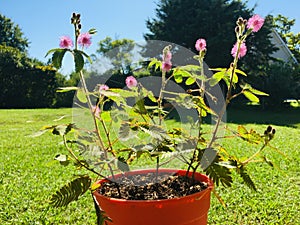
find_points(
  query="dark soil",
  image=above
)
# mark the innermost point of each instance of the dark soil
(149, 187)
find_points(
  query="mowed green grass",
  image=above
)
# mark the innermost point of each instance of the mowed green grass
(29, 175)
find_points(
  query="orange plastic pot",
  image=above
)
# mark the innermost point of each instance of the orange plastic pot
(188, 210)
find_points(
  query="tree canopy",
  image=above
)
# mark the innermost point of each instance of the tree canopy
(119, 53)
(25, 82)
(11, 35)
(184, 21)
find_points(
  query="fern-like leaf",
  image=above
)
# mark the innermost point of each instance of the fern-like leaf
(246, 178)
(71, 191)
(219, 173)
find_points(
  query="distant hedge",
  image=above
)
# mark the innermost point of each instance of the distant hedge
(25, 84)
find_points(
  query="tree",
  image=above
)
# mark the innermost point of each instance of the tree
(11, 35)
(283, 26)
(119, 53)
(184, 21)
(24, 84)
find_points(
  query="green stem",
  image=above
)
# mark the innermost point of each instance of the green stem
(160, 97)
(254, 155)
(78, 161)
(228, 97)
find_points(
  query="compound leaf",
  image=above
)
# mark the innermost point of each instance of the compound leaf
(71, 191)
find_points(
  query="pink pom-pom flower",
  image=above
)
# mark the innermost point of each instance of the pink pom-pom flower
(84, 40)
(242, 52)
(131, 82)
(65, 42)
(255, 23)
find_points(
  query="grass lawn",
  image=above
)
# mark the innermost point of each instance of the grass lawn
(29, 175)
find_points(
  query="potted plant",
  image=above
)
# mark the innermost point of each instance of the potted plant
(136, 129)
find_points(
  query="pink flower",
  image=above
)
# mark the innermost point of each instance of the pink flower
(103, 87)
(255, 23)
(65, 42)
(200, 44)
(242, 52)
(131, 82)
(166, 59)
(166, 66)
(84, 40)
(167, 56)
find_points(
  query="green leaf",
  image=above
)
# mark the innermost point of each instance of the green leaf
(156, 132)
(182, 72)
(240, 72)
(248, 94)
(57, 57)
(81, 95)
(95, 186)
(178, 78)
(154, 62)
(248, 87)
(121, 93)
(151, 96)
(191, 68)
(190, 81)
(148, 94)
(242, 131)
(176, 154)
(51, 51)
(124, 132)
(215, 79)
(66, 89)
(79, 61)
(92, 31)
(62, 129)
(122, 164)
(257, 92)
(179, 73)
(63, 159)
(246, 178)
(250, 136)
(219, 173)
(37, 134)
(139, 107)
(70, 192)
(85, 55)
(235, 78)
(218, 69)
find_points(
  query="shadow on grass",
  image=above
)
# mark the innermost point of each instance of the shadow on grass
(252, 114)
(280, 116)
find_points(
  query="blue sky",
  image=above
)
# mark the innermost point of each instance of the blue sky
(43, 22)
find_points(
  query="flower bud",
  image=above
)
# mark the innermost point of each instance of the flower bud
(237, 29)
(240, 21)
(269, 129)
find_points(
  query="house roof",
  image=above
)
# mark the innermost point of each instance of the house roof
(283, 51)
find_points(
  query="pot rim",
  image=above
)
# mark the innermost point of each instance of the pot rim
(187, 197)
